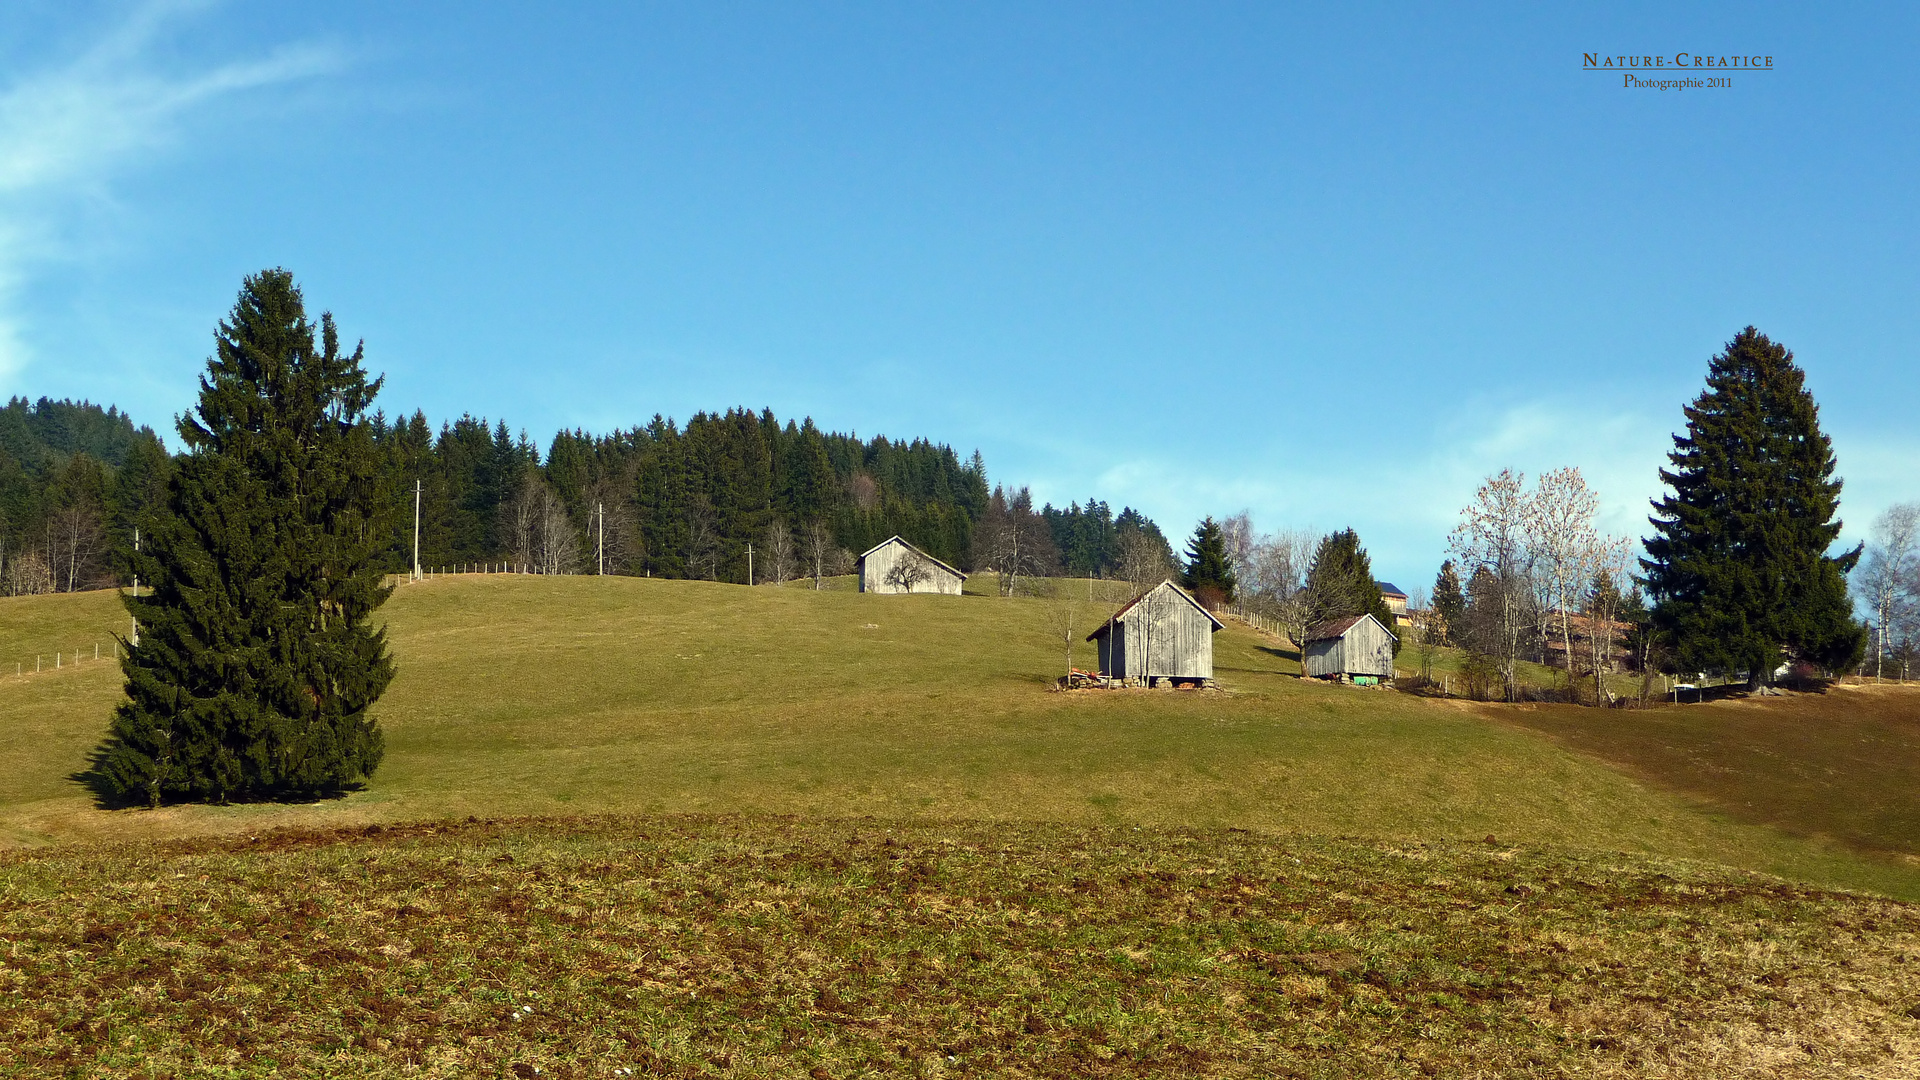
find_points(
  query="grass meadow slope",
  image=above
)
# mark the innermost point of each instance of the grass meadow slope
(631, 827)
(524, 695)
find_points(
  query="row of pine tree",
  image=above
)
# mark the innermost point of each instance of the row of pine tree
(662, 500)
(665, 500)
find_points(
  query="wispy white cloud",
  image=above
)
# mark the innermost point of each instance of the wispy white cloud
(1619, 449)
(68, 128)
(1404, 496)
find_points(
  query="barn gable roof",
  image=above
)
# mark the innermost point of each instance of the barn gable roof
(1388, 588)
(897, 539)
(1168, 584)
(1337, 628)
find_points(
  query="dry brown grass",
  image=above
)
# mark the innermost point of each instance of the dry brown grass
(1843, 765)
(735, 947)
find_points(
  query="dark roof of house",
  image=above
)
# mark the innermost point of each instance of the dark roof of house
(916, 551)
(1128, 606)
(1388, 588)
(1332, 628)
(1337, 628)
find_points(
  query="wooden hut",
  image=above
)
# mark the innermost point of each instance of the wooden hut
(1357, 648)
(895, 566)
(1161, 636)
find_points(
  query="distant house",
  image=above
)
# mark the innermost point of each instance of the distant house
(1161, 636)
(1396, 602)
(1583, 631)
(1355, 648)
(895, 566)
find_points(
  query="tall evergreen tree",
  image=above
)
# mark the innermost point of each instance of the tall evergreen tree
(1739, 571)
(256, 663)
(1209, 573)
(1341, 581)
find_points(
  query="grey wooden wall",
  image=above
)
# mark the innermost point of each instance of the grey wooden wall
(1180, 637)
(875, 567)
(1365, 649)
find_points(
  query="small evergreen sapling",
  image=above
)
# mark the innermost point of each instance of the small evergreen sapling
(1209, 573)
(1449, 603)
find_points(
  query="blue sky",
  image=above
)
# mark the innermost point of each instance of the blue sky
(1331, 268)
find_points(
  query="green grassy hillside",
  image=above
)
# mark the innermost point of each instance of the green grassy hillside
(521, 695)
(787, 947)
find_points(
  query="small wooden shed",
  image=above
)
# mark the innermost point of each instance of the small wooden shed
(1356, 647)
(1162, 634)
(895, 566)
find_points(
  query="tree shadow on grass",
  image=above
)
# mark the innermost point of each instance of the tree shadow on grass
(107, 797)
(94, 779)
(1284, 654)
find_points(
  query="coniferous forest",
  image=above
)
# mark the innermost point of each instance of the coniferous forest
(666, 500)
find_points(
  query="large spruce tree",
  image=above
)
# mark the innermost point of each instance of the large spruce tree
(256, 663)
(1340, 581)
(1739, 571)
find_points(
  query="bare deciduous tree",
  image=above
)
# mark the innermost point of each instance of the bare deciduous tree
(1063, 611)
(864, 492)
(75, 542)
(613, 529)
(821, 553)
(702, 553)
(1278, 568)
(1239, 542)
(28, 574)
(1419, 636)
(1012, 540)
(1890, 576)
(541, 534)
(1559, 527)
(1492, 537)
(781, 554)
(1602, 609)
(1531, 556)
(1299, 611)
(1142, 562)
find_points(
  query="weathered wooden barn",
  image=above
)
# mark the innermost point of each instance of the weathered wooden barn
(895, 566)
(1162, 635)
(1357, 647)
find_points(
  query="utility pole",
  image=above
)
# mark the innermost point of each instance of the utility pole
(416, 529)
(601, 509)
(749, 564)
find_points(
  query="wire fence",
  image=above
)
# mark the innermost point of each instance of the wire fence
(429, 573)
(65, 660)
